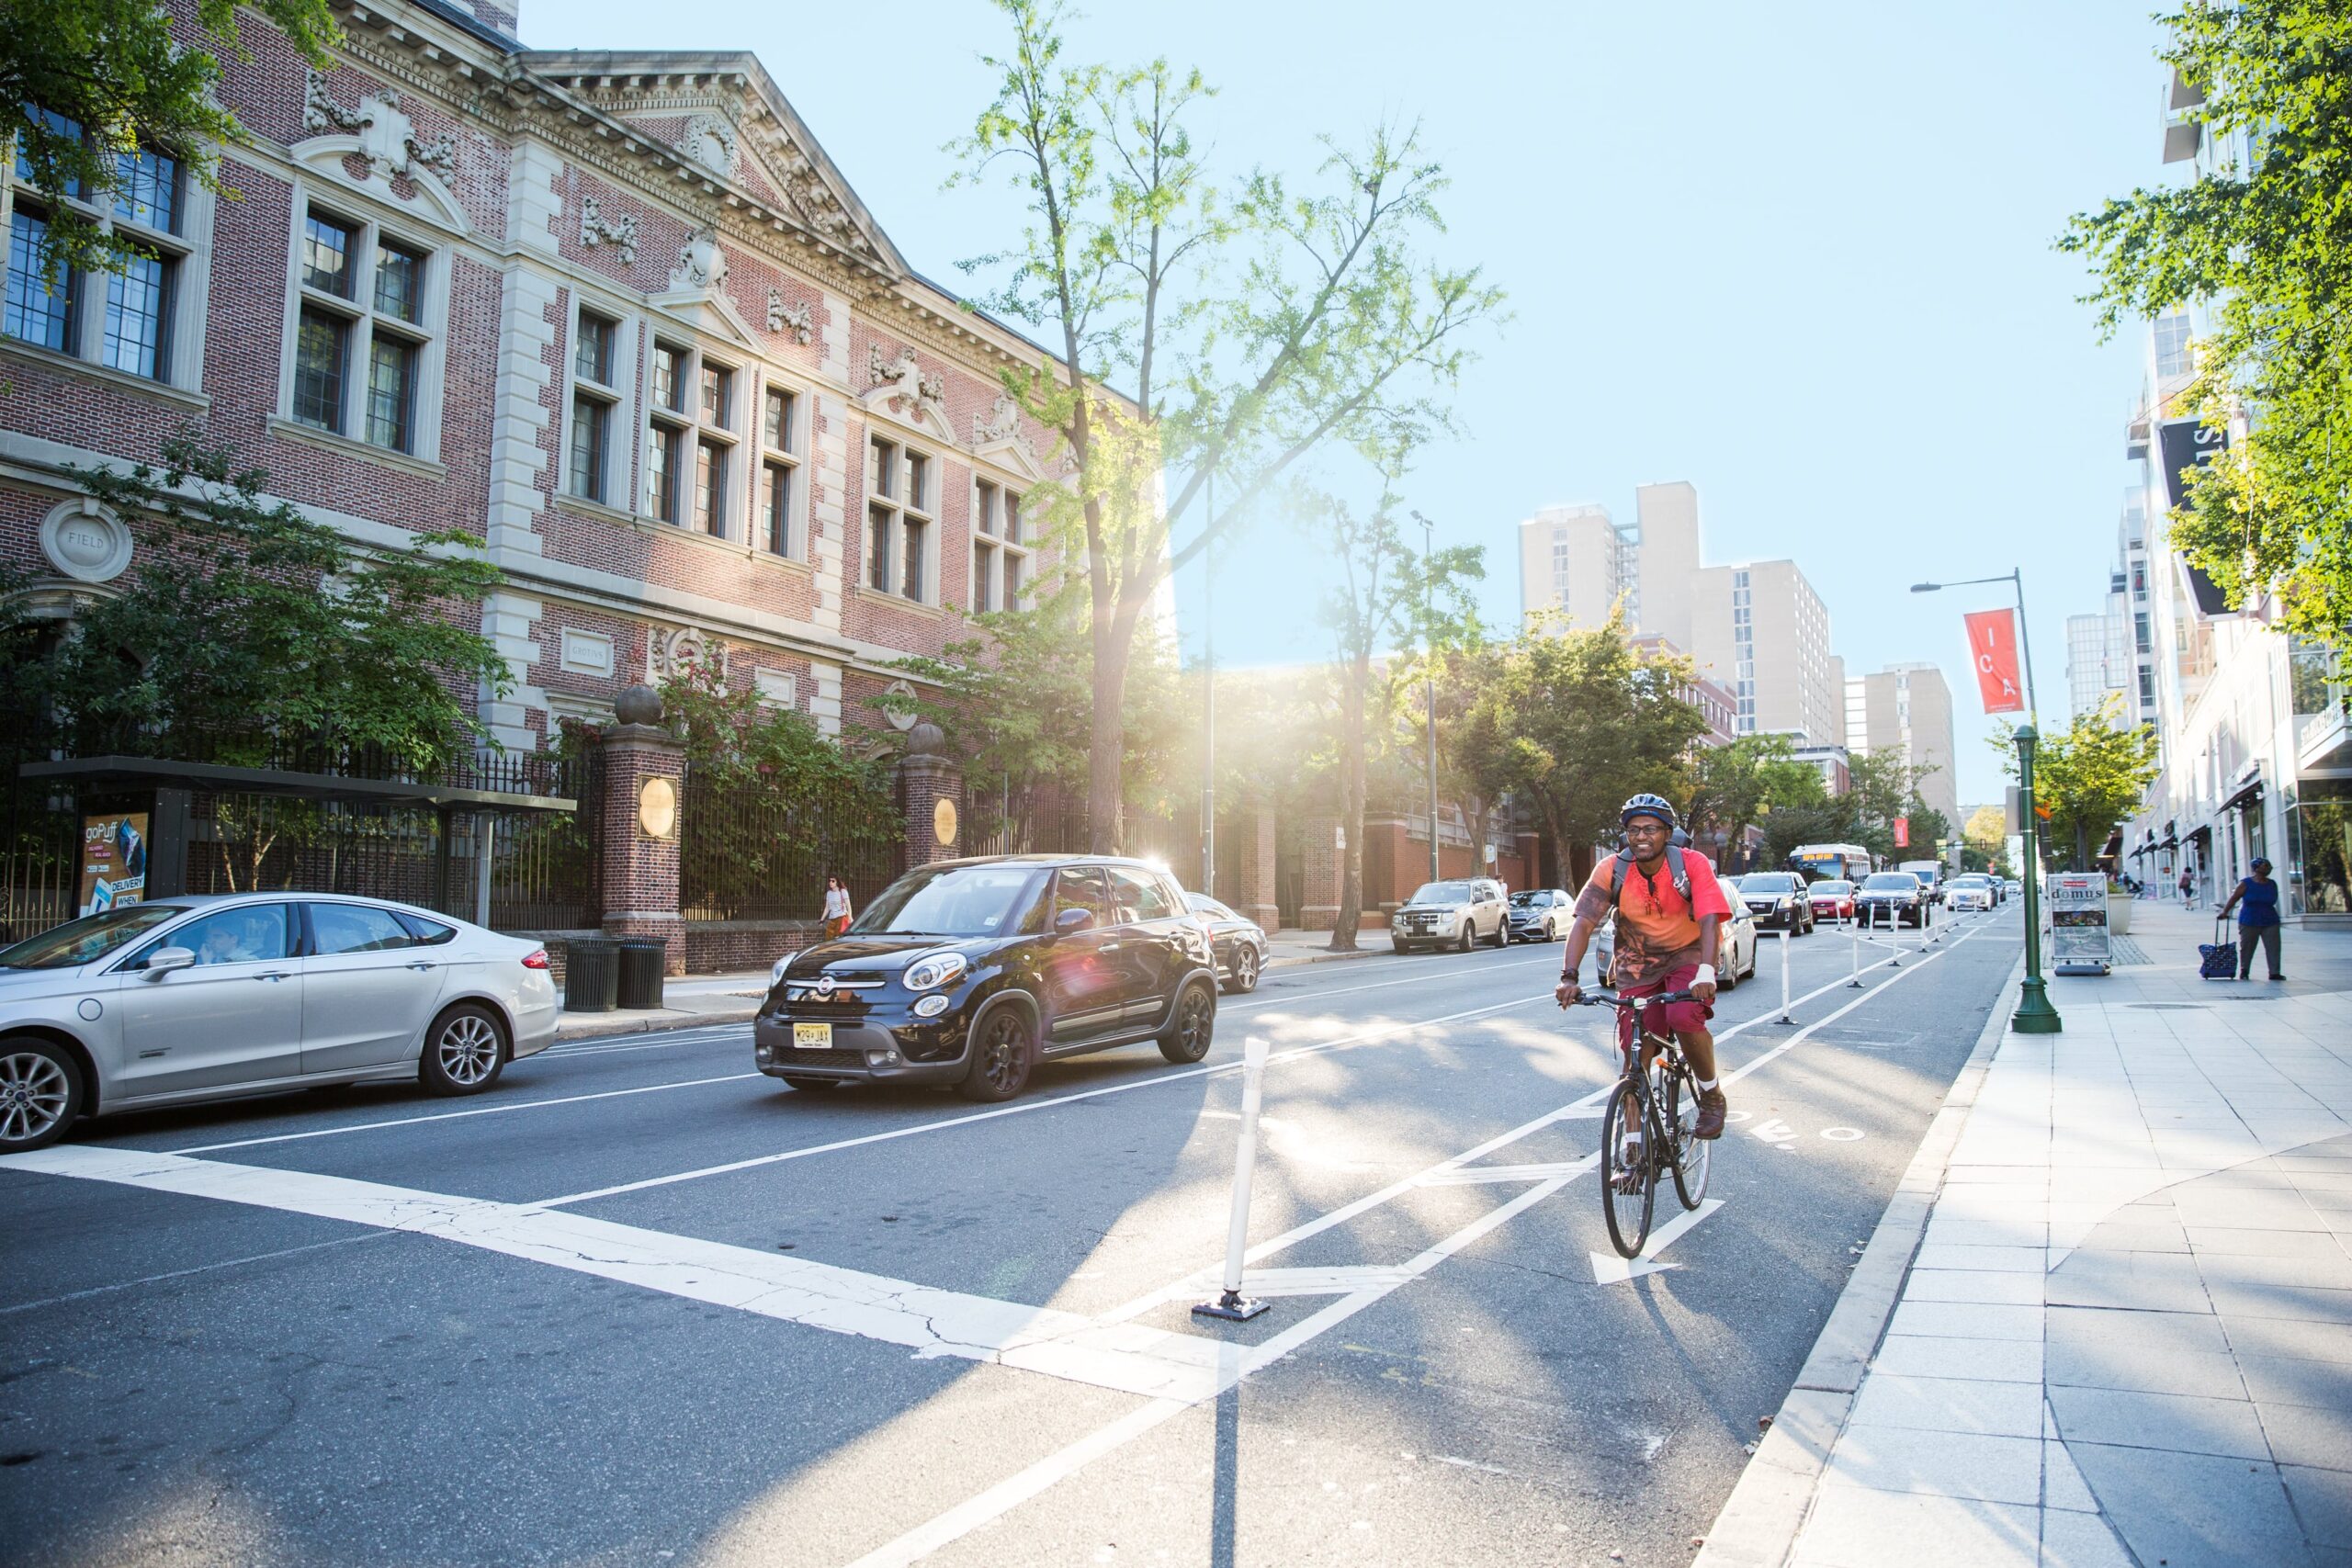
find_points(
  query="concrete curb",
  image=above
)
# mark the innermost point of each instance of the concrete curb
(1759, 1521)
(1295, 960)
(595, 1025)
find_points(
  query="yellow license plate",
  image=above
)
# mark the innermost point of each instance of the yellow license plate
(812, 1036)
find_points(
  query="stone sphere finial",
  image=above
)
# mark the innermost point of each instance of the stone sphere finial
(926, 739)
(638, 704)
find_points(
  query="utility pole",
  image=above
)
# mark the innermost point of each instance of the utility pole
(1429, 693)
(1208, 679)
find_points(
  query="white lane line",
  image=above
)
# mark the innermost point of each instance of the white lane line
(185, 1273)
(1008, 1495)
(457, 1115)
(1609, 1268)
(1024, 1107)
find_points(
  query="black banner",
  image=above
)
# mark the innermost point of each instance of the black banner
(2189, 443)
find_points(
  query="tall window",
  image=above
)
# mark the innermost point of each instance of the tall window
(691, 421)
(898, 509)
(360, 331)
(2173, 356)
(128, 324)
(779, 467)
(1000, 552)
(594, 395)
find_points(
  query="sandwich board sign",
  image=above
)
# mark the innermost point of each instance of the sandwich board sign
(2078, 935)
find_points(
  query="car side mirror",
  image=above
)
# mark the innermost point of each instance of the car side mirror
(1071, 922)
(163, 960)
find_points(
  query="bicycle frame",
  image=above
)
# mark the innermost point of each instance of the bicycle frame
(1654, 1075)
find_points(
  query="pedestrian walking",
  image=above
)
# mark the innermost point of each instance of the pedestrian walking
(2259, 921)
(837, 910)
(2188, 885)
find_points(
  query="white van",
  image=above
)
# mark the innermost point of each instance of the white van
(1931, 874)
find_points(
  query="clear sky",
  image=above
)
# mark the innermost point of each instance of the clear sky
(1799, 255)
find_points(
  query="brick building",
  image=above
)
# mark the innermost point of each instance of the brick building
(616, 315)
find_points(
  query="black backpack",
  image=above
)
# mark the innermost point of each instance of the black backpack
(1675, 867)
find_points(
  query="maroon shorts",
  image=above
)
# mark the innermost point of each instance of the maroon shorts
(1675, 1018)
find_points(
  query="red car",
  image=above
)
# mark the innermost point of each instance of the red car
(1832, 900)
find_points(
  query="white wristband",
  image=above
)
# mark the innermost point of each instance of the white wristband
(1705, 977)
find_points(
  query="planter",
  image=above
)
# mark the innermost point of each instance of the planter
(2118, 913)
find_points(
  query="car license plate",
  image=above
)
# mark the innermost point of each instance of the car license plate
(812, 1036)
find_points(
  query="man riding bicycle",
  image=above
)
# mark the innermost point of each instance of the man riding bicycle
(1669, 910)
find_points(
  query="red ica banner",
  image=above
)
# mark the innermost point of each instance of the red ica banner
(1902, 832)
(1993, 649)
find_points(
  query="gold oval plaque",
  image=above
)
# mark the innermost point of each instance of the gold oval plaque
(657, 807)
(943, 825)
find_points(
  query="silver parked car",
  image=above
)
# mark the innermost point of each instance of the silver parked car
(1461, 912)
(187, 999)
(1540, 914)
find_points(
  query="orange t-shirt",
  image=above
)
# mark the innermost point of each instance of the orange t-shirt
(1658, 929)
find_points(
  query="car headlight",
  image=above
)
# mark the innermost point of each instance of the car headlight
(776, 975)
(930, 1005)
(939, 969)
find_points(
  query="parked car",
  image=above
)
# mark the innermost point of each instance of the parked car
(1540, 914)
(973, 972)
(1931, 874)
(196, 998)
(1970, 892)
(1239, 942)
(1736, 954)
(1832, 900)
(1778, 900)
(1893, 898)
(1460, 913)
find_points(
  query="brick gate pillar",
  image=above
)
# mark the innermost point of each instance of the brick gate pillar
(644, 777)
(930, 794)
(1256, 896)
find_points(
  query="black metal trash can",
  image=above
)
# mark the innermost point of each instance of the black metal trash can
(641, 961)
(592, 973)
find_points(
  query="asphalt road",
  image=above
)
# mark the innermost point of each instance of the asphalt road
(643, 1305)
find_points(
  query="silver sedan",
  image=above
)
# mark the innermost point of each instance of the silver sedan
(188, 1000)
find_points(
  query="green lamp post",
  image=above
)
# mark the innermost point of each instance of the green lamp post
(2034, 1014)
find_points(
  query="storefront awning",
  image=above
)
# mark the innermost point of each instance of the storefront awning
(2245, 795)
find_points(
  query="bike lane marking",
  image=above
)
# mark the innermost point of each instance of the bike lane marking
(1608, 1269)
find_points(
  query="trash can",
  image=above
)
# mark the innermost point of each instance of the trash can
(641, 961)
(592, 973)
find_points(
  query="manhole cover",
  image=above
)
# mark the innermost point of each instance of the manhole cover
(2172, 1007)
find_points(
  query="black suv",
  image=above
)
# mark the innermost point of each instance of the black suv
(971, 971)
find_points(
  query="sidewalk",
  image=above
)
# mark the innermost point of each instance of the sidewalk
(2125, 1335)
(735, 998)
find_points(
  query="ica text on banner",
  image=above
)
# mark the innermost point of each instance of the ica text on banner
(1993, 649)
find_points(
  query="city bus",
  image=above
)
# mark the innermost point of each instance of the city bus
(1822, 862)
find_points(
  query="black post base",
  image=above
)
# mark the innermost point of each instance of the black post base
(1232, 1306)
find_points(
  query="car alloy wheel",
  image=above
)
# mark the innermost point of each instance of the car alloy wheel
(1245, 969)
(1002, 1056)
(1192, 1027)
(465, 1053)
(1469, 936)
(39, 1095)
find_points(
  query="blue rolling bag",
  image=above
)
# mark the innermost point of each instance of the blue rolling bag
(2218, 959)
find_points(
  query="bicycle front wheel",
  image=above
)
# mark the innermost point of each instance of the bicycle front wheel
(1689, 1152)
(1628, 1185)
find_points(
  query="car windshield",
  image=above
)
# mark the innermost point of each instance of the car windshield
(1833, 887)
(1443, 893)
(1531, 901)
(89, 938)
(1892, 882)
(957, 900)
(1768, 882)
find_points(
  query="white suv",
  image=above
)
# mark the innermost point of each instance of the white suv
(1460, 912)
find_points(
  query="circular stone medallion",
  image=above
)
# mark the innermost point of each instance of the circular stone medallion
(89, 546)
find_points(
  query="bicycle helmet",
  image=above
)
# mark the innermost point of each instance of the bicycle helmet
(1647, 805)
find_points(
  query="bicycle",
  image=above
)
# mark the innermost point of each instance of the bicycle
(1663, 1093)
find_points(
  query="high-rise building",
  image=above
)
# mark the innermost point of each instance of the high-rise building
(1666, 531)
(1760, 630)
(1578, 559)
(1907, 708)
(2099, 660)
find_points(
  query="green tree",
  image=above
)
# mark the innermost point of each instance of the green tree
(1387, 597)
(247, 624)
(2088, 777)
(1253, 329)
(2266, 242)
(93, 82)
(1885, 785)
(1730, 787)
(1576, 723)
(1987, 837)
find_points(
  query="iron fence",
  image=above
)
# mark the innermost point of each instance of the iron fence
(40, 868)
(746, 851)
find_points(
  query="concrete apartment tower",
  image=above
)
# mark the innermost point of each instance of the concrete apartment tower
(1666, 526)
(1579, 559)
(1760, 630)
(1908, 708)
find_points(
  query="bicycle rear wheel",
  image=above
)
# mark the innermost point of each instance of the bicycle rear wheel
(1628, 1190)
(1689, 1154)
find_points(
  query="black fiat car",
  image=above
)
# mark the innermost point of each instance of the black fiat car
(971, 971)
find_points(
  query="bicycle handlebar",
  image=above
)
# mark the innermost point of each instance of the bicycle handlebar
(1611, 999)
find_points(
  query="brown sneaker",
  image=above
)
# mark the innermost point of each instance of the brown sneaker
(1710, 1114)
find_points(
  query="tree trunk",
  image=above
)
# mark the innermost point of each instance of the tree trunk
(1107, 745)
(1351, 771)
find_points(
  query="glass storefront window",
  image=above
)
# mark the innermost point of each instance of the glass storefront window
(2319, 849)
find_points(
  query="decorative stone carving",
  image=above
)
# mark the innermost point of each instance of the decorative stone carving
(710, 141)
(701, 263)
(85, 542)
(387, 136)
(638, 704)
(901, 719)
(677, 654)
(1001, 426)
(796, 319)
(594, 231)
(909, 384)
(814, 200)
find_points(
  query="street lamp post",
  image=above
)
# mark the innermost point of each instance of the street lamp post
(2034, 1014)
(1429, 693)
(1208, 681)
